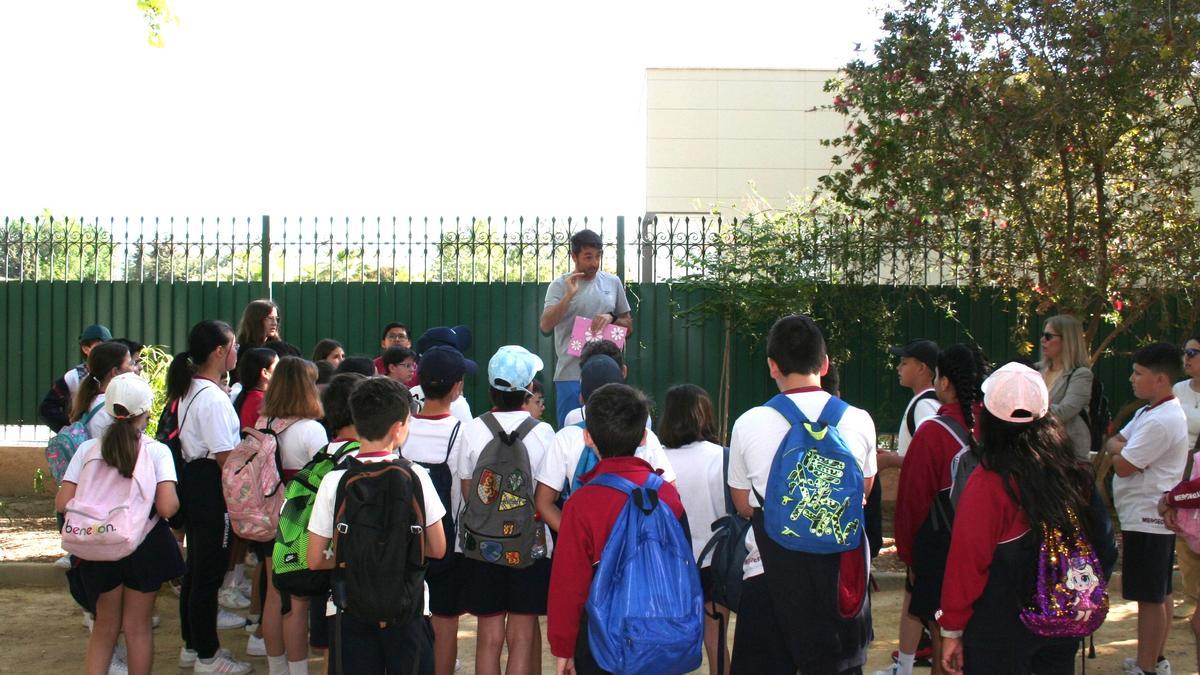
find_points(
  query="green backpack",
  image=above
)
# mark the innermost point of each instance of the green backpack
(289, 557)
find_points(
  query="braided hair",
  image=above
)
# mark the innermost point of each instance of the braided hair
(964, 366)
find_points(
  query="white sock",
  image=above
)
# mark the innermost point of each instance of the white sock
(239, 574)
(298, 667)
(905, 661)
(277, 665)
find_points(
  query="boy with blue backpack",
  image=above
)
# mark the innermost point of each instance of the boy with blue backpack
(623, 528)
(800, 467)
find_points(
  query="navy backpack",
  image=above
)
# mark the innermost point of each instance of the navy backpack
(645, 609)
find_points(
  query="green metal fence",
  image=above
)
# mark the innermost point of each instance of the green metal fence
(44, 318)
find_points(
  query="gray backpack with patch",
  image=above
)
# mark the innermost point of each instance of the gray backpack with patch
(498, 523)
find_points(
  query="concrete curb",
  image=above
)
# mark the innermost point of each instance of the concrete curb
(32, 574)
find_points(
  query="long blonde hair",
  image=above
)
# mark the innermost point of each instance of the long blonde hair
(1074, 352)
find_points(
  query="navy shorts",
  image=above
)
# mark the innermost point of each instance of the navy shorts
(1146, 566)
(446, 586)
(490, 589)
(155, 561)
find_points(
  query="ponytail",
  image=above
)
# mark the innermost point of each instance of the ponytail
(204, 339)
(179, 376)
(965, 366)
(119, 445)
(103, 358)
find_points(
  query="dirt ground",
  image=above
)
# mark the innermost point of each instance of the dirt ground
(42, 633)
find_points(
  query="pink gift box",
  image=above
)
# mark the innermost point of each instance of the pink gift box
(581, 334)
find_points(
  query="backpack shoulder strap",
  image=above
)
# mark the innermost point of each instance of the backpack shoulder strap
(450, 443)
(492, 424)
(526, 426)
(91, 413)
(725, 487)
(910, 418)
(788, 408)
(831, 414)
(954, 427)
(611, 480)
(347, 448)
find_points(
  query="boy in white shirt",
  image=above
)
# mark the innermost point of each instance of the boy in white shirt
(800, 616)
(569, 457)
(506, 600)
(1149, 456)
(380, 408)
(435, 443)
(918, 362)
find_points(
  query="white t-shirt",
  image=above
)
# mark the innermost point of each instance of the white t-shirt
(475, 436)
(1189, 400)
(101, 420)
(164, 464)
(73, 377)
(563, 457)
(320, 522)
(300, 442)
(576, 416)
(428, 441)
(207, 420)
(459, 408)
(700, 479)
(924, 410)
(234, 391)
(1157, 445)
(759, 431)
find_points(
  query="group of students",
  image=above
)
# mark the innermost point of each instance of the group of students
(507, 519)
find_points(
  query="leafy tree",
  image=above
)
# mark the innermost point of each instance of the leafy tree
(747, 273)
(1050, 147)
(156, 13)
(168, 259)
(55, 248)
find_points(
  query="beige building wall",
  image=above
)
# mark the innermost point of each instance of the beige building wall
(710, 133)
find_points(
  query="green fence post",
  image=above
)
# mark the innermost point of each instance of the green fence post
(266, 256)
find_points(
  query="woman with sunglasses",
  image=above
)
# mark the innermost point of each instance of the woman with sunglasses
(1067, 373)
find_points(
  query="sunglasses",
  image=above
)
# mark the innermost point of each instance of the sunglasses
(1049, 336)
(1190, 352)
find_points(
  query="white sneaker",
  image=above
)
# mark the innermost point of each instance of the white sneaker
(457, 665)
(118, 666)
(255, 646)
(227, 620)
(253, 621)
(223, 664)
(89, 620)
(188, 657)
(155, 621)
(231, 598)
(63, 563)
(1161, 668)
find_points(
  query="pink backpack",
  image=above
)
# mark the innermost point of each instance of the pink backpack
(252, 480)
(1188, 520)
(109, 515)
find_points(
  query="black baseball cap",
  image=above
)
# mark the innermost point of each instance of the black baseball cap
(458, 337)
(925, 351)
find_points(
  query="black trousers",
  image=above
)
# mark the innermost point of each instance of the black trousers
(208, 543)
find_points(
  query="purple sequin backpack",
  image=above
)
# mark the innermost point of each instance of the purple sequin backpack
(1070, 599)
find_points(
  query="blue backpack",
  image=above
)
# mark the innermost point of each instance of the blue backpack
(814, 499)
(645, 609)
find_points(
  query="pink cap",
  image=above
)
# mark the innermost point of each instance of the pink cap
(1016, 393)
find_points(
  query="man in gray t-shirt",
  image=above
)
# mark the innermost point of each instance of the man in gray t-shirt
(586, 292)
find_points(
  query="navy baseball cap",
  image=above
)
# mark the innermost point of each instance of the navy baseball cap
(95, 332)
(599, 370)
(458, 337)
(445, 364)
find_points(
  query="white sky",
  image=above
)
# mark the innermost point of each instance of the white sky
(365, 108)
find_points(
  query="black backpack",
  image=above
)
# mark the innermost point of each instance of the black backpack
(379, 552)
(910, 418)
(168, 435)
(726, 551)
(443, 481)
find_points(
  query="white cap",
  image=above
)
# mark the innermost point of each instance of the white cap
(1016, 393)
(129, 391)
